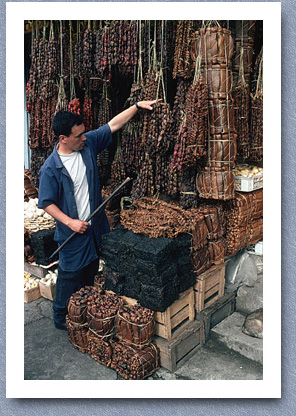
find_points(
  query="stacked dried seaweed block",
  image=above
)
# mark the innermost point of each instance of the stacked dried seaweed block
(43, 245)
(151, 270)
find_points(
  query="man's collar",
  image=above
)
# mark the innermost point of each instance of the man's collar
(56, 157)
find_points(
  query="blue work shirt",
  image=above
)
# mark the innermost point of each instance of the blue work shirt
(56, 187)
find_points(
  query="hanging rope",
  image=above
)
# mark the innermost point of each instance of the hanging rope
(61, 103)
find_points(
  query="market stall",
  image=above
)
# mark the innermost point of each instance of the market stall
(196, 161)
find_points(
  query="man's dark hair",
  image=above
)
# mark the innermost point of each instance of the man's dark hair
(63, 122)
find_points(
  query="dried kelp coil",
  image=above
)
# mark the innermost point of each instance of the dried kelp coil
(241, 96)
(216, 184)
(188, 193)
(244, 54)
(156, 218)
(99, 349)
(88, 40)
(135, 326)
(113, 203)
(256, 129)
(99, 281)
(133, 364)
(87, 113)
(214, 44)
(244, 221)
(217, 251)
(144, 185)
(256, 118)
(247, 206)
(198, 228)
(219, 80)
(200, 260)
(77, 305)
(222, 151)
(196, 111)
(113, 218)
(101, 312)
(74, 106)
(77, 335)
(215, 220)
(256, 233)
(239, 237)
(182, 63)
(221, 116)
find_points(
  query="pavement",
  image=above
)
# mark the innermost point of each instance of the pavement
(50, 356)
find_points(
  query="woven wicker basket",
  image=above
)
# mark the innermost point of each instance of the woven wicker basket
(39, 223)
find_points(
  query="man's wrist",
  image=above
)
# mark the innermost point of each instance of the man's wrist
(137, 106)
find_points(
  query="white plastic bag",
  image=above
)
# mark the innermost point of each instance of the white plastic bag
(240, 270)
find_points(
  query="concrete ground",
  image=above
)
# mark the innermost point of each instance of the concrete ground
(50, 356)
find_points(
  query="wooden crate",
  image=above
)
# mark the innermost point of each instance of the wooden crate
(217, 312)
(32, 294)
(209, 287)
(176, 352)
(47, 292)
(176, 318)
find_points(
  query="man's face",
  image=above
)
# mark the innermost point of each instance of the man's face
(76, 140)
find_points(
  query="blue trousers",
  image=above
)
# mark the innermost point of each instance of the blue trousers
(67, 284)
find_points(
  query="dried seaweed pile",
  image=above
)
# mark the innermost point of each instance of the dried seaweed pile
(157, 218)
(133, 364)
(76, 319)
(135, 326)
(244, 221)
(206, 224)
(91, 328)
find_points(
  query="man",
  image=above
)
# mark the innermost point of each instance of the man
(69, 190)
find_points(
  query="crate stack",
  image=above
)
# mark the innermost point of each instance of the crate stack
(215, 46)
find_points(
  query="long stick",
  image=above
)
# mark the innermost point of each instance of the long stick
(90, 216)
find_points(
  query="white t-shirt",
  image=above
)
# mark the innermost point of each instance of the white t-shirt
(77, 171)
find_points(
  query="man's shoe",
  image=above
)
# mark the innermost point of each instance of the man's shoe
(61, 325)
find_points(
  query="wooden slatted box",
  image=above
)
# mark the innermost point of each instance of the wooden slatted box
(209, 287)
(174, 353)
(177, 317)
(217, 312)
